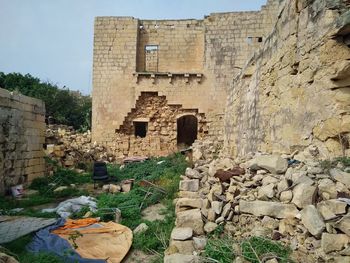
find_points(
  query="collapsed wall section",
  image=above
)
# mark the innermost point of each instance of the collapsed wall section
(22, 135)
(190, 62)
(295, 90)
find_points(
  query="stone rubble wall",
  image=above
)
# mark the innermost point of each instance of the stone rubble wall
(302, 204)
(22, 135)
(295, 90)
(216, 48)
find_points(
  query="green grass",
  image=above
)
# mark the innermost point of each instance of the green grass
(258, 249)
(223, 249)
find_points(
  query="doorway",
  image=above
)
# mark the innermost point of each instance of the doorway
(187, 127)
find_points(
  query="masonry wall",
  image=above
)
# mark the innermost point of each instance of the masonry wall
(22, 135)
(195, 62)
(294, 91)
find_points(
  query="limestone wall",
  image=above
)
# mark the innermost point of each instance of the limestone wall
(295, 90)
(22, 135)
(190, 62)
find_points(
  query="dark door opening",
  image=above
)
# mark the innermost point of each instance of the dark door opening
(187, 127)
(140, 129)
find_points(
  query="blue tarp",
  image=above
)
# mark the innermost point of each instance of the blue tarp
(45, 241)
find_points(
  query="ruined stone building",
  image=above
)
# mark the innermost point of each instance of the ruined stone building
(274, 80)
(160, 84)
(22, 135)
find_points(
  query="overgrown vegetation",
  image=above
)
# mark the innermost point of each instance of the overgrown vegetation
(224, 249)
(64, 106)
(163, 174)
(329, 164)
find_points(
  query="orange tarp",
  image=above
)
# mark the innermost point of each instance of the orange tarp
(109, 241)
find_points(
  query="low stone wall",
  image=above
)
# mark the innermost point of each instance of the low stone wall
(22, 135)
(294, 199)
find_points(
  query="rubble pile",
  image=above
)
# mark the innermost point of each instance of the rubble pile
(295, 199)
(71, 149)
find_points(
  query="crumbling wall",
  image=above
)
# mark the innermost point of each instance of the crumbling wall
(161, 119)
(22, 135)
(190, 62)
(295, 90)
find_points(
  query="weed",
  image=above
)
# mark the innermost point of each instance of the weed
(225, 249)
(258, 249)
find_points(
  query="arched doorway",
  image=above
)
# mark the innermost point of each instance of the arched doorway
(187, 127)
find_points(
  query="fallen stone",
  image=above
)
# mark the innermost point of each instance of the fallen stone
(219, 220)
(265, 208)
(187, 203)
(177, 258)
(187, 194)
(327, 186)
(189, 185)
(60, 189)
(211, 215)
(141, 228)
(193, 174)
(217, 206)
(182, 233)
(273, 163)
(200, 242)
(266, 191)
(331, 208)
(210, 227)
(312, 220)
(333, 242)
(184, 247)
(344, 225)
(304, 195)
(191, 218)
(340, 176)
(126, 187)
(226, 210)
(286, 196)
(115, 188)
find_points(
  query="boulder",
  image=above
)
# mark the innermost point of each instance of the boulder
(141, 228)
(312, 220)
(210, 227)
(327, 186)
(286, 196)
(190, 218)
(182, 233)
(344, 225)
(193, 174)
(273, 163)
(264, 208)
(217, 206)
(331, 208)
(340, 176)
(303, 195)
(200, 242)
(266, 191)
(184, 247)
(189, 185)
(333, 242)
(176, 258)
(4, 258)
(187, 203)
(115, 188)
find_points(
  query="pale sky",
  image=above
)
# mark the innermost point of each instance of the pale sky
(53, 39)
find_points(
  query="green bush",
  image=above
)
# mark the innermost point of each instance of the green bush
(64, 106)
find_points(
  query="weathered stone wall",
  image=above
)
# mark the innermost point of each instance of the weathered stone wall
(192, 64)
(22, 135)
(295, 90)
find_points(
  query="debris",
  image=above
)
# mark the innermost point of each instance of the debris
(141, 228)
(66, 208)
(13, 227)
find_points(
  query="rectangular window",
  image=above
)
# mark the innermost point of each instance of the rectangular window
(151, 58)
(140, 128)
